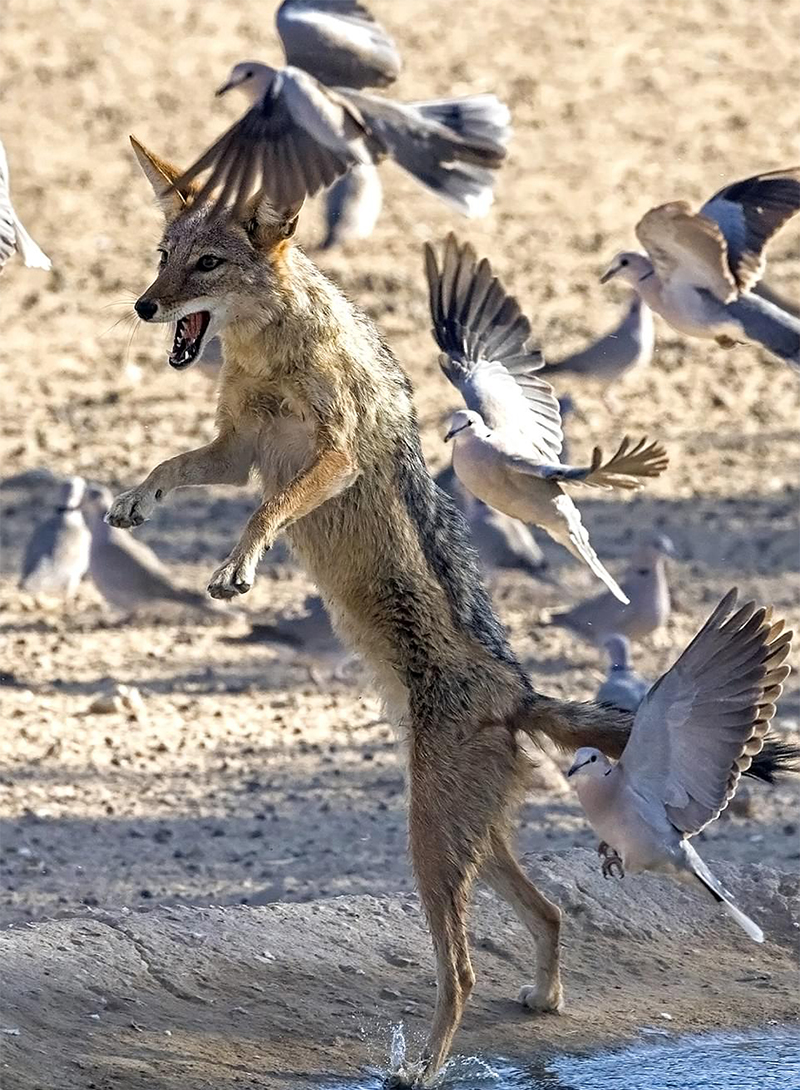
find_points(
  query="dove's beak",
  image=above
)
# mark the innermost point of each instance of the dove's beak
(227, 87)
(608, 274)
(453, 432)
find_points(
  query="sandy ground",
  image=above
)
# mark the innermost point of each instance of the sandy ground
(241, 777)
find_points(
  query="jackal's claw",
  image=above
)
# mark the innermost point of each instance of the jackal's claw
(230, 580)
(130, 509)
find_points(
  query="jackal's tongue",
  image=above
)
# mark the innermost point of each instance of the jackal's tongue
(188, 336)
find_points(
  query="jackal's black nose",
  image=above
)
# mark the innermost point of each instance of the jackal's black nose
(145, 308)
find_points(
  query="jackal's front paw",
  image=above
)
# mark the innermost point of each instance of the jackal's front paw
(234, 577)
(542, 997)
(132, 508)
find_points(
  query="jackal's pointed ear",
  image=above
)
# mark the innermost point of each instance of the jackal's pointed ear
(267, 225)
(161, 175)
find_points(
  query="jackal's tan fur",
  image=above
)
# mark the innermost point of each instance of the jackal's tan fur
(313, 400)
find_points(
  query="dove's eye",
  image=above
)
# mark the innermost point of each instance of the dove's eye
(593, 758)
(624, 262)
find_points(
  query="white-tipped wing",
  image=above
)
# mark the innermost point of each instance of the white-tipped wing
(296, 140)
(13, 235)
(338, 42)
(701, 724)
(487, 356)
(688, 248)
(749, 213)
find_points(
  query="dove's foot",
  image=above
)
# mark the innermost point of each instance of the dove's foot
(132, 508)
(610, 860)
(234, 577)
(546, 997)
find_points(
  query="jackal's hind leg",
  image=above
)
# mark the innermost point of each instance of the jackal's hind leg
(539, 915)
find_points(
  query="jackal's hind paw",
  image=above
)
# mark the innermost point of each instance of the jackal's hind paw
(234, 577)
(131, 508)
(550, 999)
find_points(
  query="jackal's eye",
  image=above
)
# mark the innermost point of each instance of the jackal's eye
(208, 262)
(162, 258)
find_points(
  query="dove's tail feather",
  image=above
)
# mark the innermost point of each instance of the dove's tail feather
(768, 326)
(572, 534)
(451, 146)
(748, 925)
(33, 256)
(707, 880)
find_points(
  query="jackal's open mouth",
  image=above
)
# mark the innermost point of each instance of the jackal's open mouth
(189, 333)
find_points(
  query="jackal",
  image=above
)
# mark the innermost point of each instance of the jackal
(313, 400)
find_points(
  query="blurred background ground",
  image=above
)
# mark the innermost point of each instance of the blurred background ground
(240, 776)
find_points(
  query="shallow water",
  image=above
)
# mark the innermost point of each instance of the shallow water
(762, 1059)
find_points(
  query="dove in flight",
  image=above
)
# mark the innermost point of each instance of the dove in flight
(695, 732)
(508, 440)
(311, 121)
(701, 267)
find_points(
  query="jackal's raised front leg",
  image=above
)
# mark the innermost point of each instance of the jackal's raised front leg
(329, 474)
(223, 461)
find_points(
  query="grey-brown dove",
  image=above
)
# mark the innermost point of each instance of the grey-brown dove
(57, 555)
(508, 440)
(694, 734)
(701, 267)
(625, 348)
(127, 572)
(622, 687)
(13, 236)
(644, 585)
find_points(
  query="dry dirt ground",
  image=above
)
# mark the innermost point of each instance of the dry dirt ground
(242, 777)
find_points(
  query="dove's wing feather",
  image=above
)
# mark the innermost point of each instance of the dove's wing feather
(338, 42)
(750, 213)
(484, 337)
(686, 248)
(701, 724)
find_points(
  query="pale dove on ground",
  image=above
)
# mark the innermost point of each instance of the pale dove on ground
(353, 205)
(127, 572)
(694, 734)
(502, 542)
(626, 347)
(57, 555)
(701, 267)
(644, 584)
(508, 441)
(13, 236)
(623, 687)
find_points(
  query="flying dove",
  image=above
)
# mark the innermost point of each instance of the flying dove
(502, 542)
(127, 572)
(623, 687)
(57, 555)
(701, 267)
(694, 734)
(644, 585)
(13, 235)
(508, 440)
(628, 346)
(311, 121)
(353, 205)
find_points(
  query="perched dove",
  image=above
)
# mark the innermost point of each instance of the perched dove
(13, 235)
(127, 572)
(353, 205)
(312, 632)
(508, 441)
(502, 542)
(701, 267)
(623, 687)
(623, 349)
(310, 122)
(57, 555)
(695, 732)
(644, 585)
